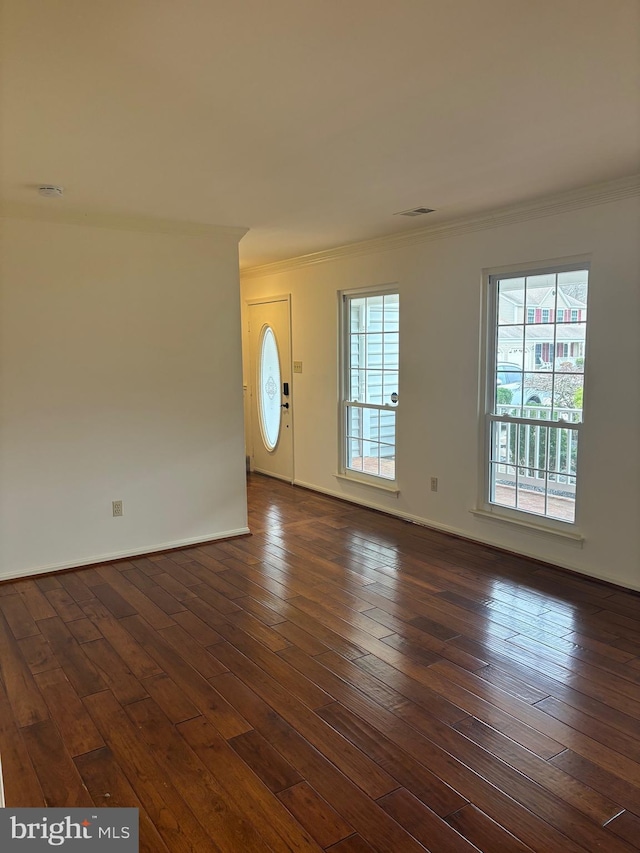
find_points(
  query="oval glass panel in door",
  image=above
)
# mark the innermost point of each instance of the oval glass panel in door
(269, 389)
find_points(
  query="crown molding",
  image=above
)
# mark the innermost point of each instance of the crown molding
(70, 216)
(548, 206)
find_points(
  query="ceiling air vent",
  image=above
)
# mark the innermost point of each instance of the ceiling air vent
(416, 211)
(51, 191)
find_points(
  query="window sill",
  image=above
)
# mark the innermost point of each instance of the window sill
(372, 484)
(572, 535)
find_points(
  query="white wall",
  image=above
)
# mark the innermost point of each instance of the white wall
(120, 378)
(440, 298)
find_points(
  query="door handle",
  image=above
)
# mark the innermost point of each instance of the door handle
(284, 405)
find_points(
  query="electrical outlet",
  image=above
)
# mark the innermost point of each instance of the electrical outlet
(434, 484)
(297, 367)
(117, 508)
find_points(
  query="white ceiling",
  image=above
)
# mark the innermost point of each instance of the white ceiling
(313, 121)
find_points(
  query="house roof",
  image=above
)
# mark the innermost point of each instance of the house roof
(544, 333)
(544, 297)
(311, 122)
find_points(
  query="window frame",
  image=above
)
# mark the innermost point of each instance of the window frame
(344, 365)
(486, 416)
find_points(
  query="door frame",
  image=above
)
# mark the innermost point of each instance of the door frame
(265, 300)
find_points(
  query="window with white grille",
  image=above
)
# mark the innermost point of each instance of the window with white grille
(370, 322)
(534, 390)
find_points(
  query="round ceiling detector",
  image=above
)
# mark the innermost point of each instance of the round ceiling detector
(51, 191)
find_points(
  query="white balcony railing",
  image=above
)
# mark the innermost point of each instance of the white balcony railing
(541, 453)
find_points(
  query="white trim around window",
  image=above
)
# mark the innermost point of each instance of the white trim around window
(368, 383)
(531, 412)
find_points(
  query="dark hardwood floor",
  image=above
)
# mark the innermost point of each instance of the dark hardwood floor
(340, 680)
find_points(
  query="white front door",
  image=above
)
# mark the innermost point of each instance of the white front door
(271, 391)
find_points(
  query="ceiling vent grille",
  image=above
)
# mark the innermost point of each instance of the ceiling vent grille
(415, 211)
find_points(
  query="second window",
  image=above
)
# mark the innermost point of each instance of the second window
(370, 383)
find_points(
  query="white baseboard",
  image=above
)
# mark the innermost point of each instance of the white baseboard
(464, 534)
(275, 476)
(123, 555)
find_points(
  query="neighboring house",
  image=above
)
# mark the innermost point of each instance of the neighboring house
(549, 329)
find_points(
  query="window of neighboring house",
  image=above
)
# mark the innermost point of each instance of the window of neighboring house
(533, 425)
(531, 315)
(370, 372)
(546, 315)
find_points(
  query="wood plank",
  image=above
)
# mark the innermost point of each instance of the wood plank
(113, 601)
(84, 630)
(37, 654)
(488, 704)
(116, 674)
(256, 629)
(271, 767)
(216, 599)
(197, 628)
(35, 600)
(27, 704)
(485, 833)
(455, 771)
(273, 665)
(514, 686)
(596, 806)
(595, 685)
(626, 794)
(89, 577)
(200, 691)
(627, 744)
(304, 640)
(61, 783)
(261, 611)
(108, 786)
(392, 689)
(178, 565)
(427, 652)
(244, 789)
(139, 662)
(75, 586)
(441, 798)
(170, 698)
(63, 604)
(197, 656)
(18, 617)
(21, 785)
(322, 822)
(143, 605)
(76, 727)
(627, 826)
(231, 829)
(179, 826)
(349, 800)
(424, 824)
(79, 670)
(356, 766)
(47, 582)
(353, 844)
